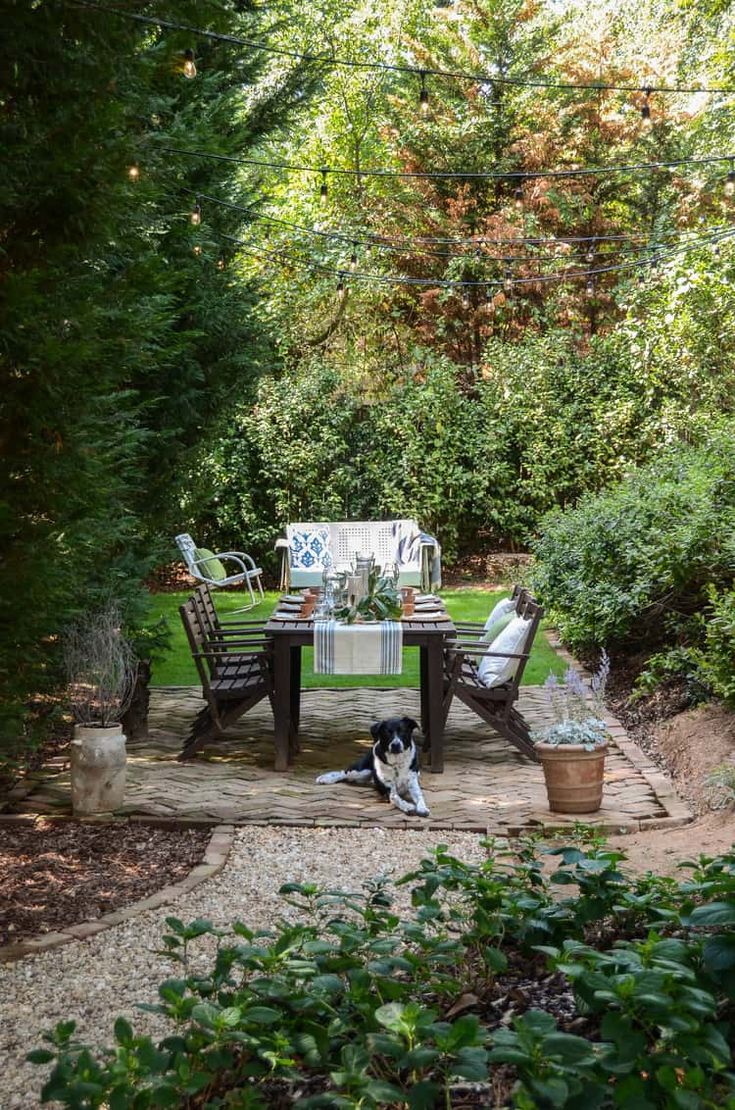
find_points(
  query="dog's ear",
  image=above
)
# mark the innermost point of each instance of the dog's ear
(375, 730)
(409, 724)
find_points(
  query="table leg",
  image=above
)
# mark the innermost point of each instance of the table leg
(295, 698)
(281, 700)
(424, 686)
(434, 692)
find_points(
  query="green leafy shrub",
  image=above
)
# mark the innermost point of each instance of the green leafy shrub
(625, 564)
(716, 660)
(356, 1007)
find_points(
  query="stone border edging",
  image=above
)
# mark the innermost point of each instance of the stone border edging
(214, 859)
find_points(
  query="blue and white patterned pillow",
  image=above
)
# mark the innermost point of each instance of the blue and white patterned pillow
(308, 548)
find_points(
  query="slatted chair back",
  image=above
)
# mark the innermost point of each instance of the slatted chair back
(204, 603)
(528, 608)
(213, 626)
(494, 703)
(197, 638)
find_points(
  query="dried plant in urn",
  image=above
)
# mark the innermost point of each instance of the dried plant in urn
(100, 669)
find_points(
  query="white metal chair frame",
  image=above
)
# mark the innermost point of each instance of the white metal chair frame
(248, 572)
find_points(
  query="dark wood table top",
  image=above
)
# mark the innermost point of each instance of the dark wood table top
(435, 622)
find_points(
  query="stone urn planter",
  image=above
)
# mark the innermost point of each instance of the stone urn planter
(98, 764)
(102, 673)
(574, 776)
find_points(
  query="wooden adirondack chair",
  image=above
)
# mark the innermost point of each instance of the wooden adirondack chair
(235, 673)
(495, 704)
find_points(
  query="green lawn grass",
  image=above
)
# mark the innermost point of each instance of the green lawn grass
(177, 668)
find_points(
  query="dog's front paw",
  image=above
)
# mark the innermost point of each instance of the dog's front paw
(329, 778)
(422, 811)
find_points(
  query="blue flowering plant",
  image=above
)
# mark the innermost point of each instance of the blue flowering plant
(578, 709)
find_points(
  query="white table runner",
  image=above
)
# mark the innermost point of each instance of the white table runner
(374, 648)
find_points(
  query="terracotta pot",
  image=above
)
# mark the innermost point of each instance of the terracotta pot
(574, 776)
(98, 761)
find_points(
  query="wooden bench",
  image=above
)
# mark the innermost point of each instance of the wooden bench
(495, 704)
(235, 672)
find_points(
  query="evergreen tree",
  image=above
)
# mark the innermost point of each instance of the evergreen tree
(124, 329)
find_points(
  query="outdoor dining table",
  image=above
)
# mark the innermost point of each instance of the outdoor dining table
(427, 630)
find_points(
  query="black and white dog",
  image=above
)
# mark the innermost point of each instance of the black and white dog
(392, 764)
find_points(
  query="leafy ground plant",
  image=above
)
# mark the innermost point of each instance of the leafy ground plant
(497, 989)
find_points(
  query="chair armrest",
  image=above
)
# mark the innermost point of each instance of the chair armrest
(232, 628)
(251, 641)
(223, 555)
(247, 561)
(281, 544)
(243, 633)
(466, 649)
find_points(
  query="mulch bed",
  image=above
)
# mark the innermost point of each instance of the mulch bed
(57, 875)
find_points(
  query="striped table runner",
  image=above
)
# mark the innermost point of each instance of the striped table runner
(358, 648)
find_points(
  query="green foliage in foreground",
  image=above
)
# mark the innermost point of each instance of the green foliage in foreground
(355, 1006)
(177, 669)
(651, 562)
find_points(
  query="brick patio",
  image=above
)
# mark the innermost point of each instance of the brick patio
(487, 785)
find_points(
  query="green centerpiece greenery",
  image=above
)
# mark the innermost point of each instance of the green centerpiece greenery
(382, 602)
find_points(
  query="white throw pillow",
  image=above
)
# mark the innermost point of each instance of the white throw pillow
(494, 629)
(501, 609)
(493, 669)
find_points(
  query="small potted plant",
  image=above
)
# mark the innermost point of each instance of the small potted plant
(101, 671)
(572, 749)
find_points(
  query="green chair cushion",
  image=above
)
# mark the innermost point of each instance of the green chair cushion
(214, 568)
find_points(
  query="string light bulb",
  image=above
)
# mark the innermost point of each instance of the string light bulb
(508, 279)
(189, 69)
(196, 250)
(590, 255)
(134, 172)
(341, 285)
(518, 196)
(590, 287)
(423, 95)
(465, 299)
(220, 263)
(353, 257)
(716, 250)
(324, 188)
(196, 213)
(730, 183)
(646, 106)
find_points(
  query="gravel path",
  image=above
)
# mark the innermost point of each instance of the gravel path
(93, 981)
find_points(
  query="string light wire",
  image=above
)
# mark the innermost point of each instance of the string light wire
(468, 175)
(652, 259)
(369, 241)
(395, 67)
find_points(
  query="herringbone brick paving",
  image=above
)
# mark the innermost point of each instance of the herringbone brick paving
(487, 785)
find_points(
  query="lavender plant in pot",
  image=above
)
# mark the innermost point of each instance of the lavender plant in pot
(572, 750)
(101, 671)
